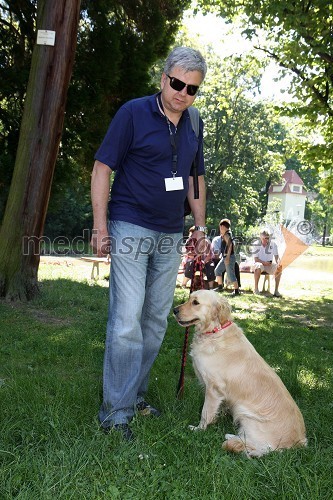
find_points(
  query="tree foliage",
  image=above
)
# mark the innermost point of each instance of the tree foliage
(246, 145)
(298, 36)
(243, 141)
(118, 41)
(40, 134)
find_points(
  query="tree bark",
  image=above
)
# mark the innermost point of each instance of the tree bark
(40, 135)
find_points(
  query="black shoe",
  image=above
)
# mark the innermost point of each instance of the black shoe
(235, 293)
(124, 429)
(145, 409)
(218, 289)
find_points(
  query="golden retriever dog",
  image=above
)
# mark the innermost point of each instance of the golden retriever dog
(233, 373)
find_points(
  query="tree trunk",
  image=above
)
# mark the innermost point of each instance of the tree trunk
(40, 135)
(325, 229)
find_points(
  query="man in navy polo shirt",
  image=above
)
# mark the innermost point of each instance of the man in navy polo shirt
(150, 145)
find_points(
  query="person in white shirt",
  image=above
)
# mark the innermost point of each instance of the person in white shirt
(264, 254)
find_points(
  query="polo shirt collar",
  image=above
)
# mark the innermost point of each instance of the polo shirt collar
(159, 109)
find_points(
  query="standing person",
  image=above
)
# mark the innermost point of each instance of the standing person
(150, 145)
(263, 261)
(218, 246)
(228, 259)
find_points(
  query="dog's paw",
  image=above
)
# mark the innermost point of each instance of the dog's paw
(195, 427)
(229, 436)
(259, 452)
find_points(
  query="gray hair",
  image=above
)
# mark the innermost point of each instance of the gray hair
(186, 58)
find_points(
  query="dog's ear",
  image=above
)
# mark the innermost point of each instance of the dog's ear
(223, 309)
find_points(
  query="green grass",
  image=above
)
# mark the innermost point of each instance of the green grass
(320, 250)
(51, 356)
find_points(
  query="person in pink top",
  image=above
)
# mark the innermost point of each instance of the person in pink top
(189, 258)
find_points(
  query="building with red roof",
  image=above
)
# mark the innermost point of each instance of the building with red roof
(292, 194)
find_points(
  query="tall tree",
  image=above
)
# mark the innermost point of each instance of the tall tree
(299, 37)
(118, 41)
(40, 136)
(243, 141)
(246, 145)
(17, 35)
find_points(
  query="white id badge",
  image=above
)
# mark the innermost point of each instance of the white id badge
(173, 183)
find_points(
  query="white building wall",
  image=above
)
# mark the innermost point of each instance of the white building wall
(292, 205)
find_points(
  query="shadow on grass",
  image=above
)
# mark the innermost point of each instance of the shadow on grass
(51, 357)
(64, 329)
(51, 352)
(293, 336)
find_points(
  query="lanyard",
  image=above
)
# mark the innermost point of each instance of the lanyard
(171, 135)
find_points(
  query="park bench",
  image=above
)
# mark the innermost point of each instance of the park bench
(96, 261)
(246, 268)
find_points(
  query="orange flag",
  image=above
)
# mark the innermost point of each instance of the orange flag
(294, 247)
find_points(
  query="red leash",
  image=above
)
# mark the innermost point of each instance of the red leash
(197, 266)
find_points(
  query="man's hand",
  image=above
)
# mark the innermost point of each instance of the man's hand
(201, 245)
(100, 242)
(100, 188)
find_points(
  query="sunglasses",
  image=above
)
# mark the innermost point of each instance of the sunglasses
(178, 85)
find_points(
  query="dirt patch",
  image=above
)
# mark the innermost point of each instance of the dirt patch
(38, 314)
(45, 317)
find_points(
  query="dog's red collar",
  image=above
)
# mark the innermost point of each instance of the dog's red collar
(219, 328)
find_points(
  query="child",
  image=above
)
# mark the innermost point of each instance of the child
(227, 256)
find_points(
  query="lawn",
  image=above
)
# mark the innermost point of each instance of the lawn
(51, 356)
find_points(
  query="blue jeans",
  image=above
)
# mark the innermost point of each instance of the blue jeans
(230, 268)
(144, 267)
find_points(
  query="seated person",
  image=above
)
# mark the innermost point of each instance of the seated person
(228, 259)
(189, 259)
(263, 254)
